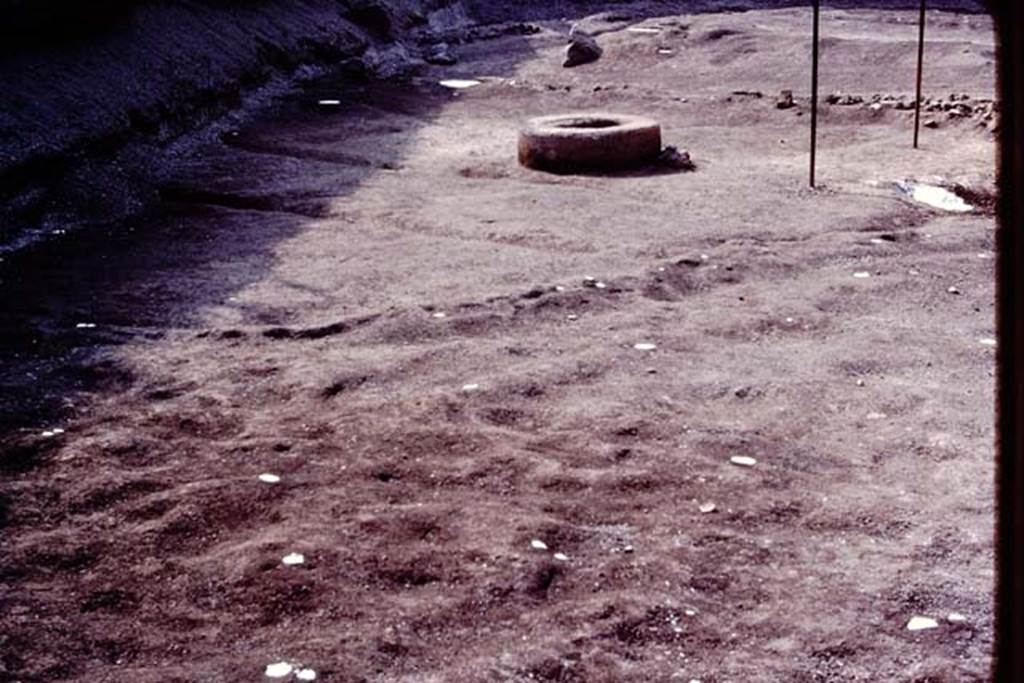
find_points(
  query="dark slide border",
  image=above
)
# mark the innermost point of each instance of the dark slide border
(1010, 412)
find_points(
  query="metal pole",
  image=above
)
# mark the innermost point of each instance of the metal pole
(814, 89)
(920, 78)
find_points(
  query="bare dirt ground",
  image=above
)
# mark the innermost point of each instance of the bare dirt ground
(282, 314)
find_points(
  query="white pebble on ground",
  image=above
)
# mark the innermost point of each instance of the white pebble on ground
(293, 559)
(278, 670)
(921, 623)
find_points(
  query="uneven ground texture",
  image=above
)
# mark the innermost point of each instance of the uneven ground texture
(280, 313)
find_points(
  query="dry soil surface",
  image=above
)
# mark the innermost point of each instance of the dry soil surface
(374, 303)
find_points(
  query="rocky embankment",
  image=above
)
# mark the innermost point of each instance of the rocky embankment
(90, 95)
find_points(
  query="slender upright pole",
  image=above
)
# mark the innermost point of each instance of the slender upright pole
(814, 89)
(920, 79)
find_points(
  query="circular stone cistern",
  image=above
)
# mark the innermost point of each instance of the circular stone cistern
(587, 142)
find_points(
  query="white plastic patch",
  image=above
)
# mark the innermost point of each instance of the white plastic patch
(645, 346)
(935, 197)
(268, 478)
(459, 83)
(305, 675)
(538, 544)
(743, 460)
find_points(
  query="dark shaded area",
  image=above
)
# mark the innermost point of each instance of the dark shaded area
(1010, 416)
(30, 25)
(69, 303)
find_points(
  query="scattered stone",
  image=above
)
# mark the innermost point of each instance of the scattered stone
(931, 123)
(561, 557)
(278, 670)
(645, 346)
(690, 612)
(293, 559)
(785, 100)
(953, 290)
(572, 316)
(921, 624)
(671, 157)
(627, 549)
(741, 392)
(440, 55)
(582, 49)
(743, 460)
(860, 383)
(268, 478)
(707, 508)
(459, 83)
(538, 544)
(392, 61)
